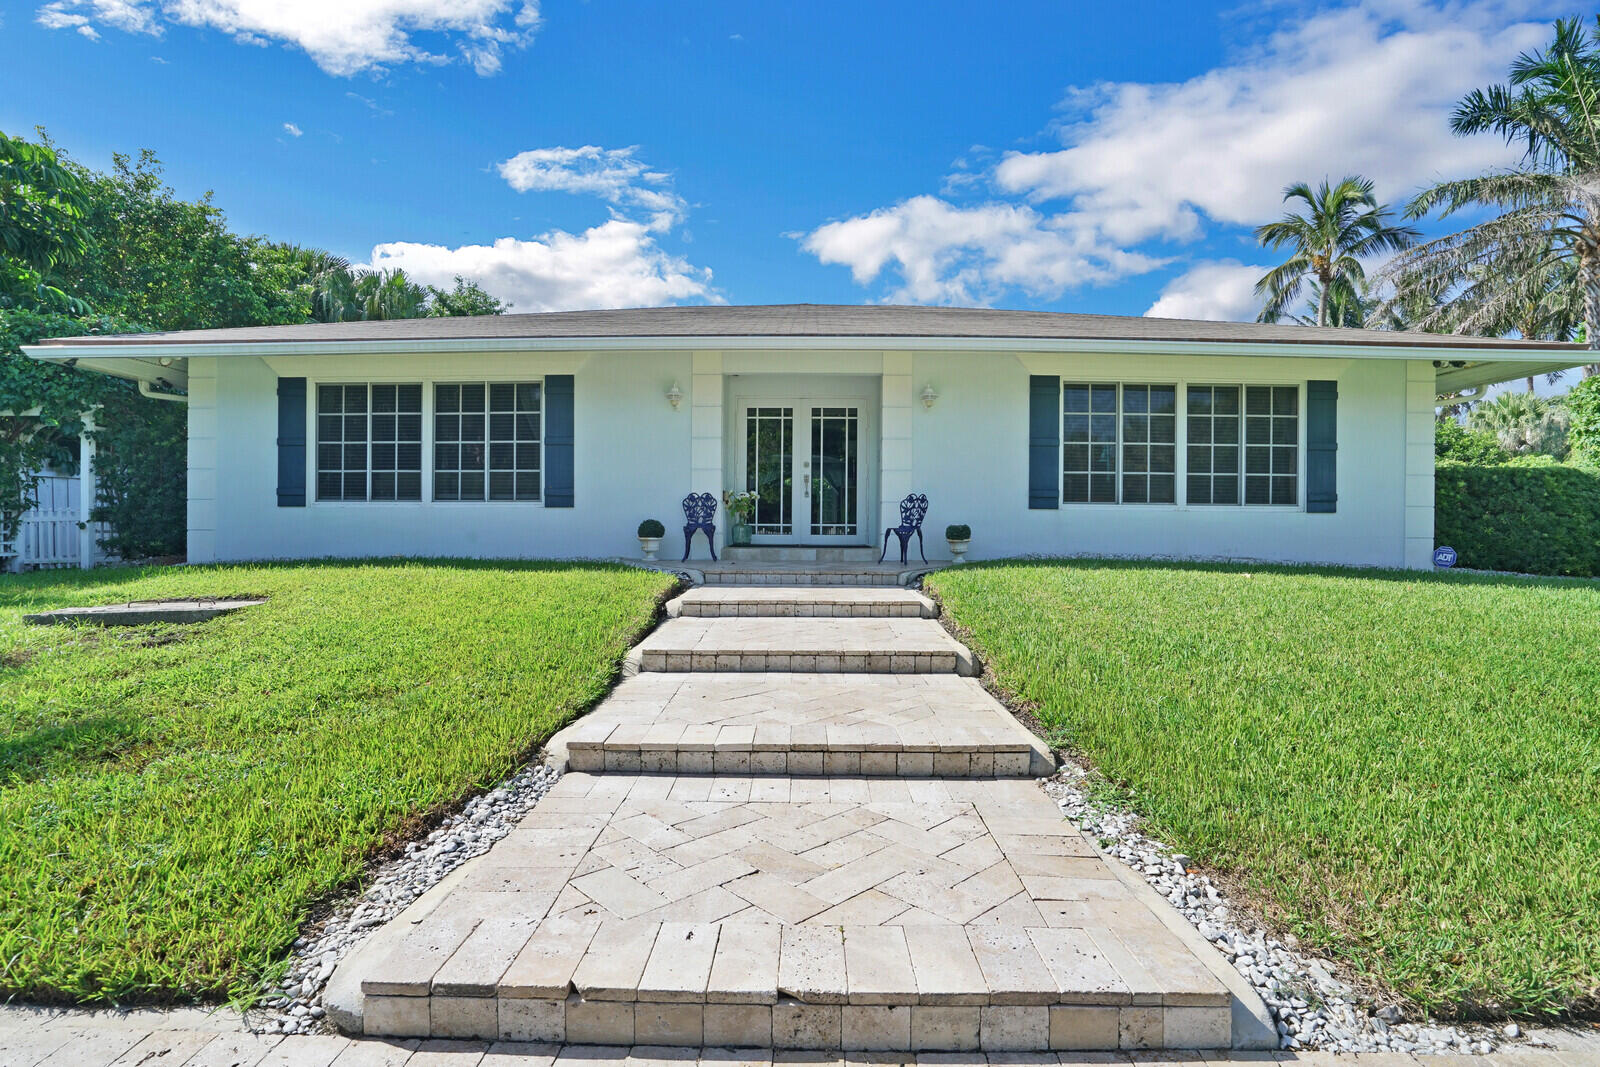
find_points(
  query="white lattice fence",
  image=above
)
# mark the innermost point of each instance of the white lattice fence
(49, 535)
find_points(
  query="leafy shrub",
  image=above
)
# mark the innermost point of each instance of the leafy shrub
(1453, 441)
(958, 532)
(652, 528)
(1583, 411)
(142, 475)
(1530, 515)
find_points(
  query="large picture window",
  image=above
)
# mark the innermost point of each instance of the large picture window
(486, 441)
(369, 442)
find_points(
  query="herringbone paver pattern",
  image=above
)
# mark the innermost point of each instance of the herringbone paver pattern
(798, 828)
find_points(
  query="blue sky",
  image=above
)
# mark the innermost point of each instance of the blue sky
(1062, 156)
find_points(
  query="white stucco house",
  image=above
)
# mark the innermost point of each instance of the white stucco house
(553, 435)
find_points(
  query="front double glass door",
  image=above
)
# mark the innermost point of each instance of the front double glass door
(803, 458)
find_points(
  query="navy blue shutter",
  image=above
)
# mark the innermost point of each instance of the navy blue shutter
(1044, 441)
(558, 441)
(291, 442)
(1322, 446)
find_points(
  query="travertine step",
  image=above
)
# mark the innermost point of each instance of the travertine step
(801, 554)
(754, 601)
(821, 645)
(784, 723)
(798, 913)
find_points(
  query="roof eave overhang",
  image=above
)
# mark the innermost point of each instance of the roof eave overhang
(1474, 376)
(154, 352)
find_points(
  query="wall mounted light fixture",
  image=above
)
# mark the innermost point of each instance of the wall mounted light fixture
(674, 396)
(929, 396)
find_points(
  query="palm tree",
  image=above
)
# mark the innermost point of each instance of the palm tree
(1339, 226)
(1522, 423)
(383, 294)
(1548, 207)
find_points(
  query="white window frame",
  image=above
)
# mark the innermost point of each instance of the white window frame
(1181, 473)
(431, 403)
(427, 501)
(313, 466)
(1119, 444)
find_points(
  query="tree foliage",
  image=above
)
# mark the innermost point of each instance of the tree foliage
(1583, 431)
(1338, 226)
(42, 226)
(1545, 213)
(1522, 424)
(1453, 441)
(466, 298)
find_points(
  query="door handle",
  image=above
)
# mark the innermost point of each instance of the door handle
(808, 485)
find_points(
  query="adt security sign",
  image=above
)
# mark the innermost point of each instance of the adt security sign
(1444, 556)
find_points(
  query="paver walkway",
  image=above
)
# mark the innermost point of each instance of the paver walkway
(817, 857)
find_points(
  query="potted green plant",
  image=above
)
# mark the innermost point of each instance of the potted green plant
(741, 507)
(959, 537)
(650, 534)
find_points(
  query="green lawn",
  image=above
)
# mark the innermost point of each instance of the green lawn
(1403, 769)
(174, 801)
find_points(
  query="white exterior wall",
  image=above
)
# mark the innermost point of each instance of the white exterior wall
(971, 458)
(636, 457)
(631, 462)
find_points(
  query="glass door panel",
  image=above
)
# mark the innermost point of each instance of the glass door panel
(769, 468)
(834, 478)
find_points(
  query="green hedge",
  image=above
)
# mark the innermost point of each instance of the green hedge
(1531, 515)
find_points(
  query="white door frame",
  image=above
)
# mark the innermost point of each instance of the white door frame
(801, 395)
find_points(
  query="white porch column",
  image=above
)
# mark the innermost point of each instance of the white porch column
(86, 494)
(705, 431)
(895, 457)
(1421, 400)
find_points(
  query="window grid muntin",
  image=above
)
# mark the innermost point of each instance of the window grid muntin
(1272, 445)
(1214, 442)
(364, 453)
(1149, 429)
(1089, 418)
(488, 441)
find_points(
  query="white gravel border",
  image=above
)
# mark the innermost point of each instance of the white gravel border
(1310, 1006)
(293, 1005)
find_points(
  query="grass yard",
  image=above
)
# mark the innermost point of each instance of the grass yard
(175, 800)
(1403, 769)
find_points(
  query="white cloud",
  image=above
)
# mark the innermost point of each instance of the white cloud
(1363, 89)
(292, 130)
(1223, 291)
(343, 37)
(615, 175)
(614, 264)
(947, 254)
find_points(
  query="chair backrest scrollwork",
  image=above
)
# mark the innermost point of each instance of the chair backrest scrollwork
(699, 509)
(913, 509)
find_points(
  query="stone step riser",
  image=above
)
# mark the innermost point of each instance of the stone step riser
(801, 610)
(870, 662)
(945, 763)
(838, 578)
(791, 1024)
(800, 554)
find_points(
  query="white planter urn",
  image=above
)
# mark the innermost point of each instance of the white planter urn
(958, 550)
(650, 546)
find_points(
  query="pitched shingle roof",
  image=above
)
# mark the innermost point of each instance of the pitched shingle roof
(809, 320)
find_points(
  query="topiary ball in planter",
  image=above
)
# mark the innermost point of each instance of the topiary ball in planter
(959, 536)
(650, 533)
